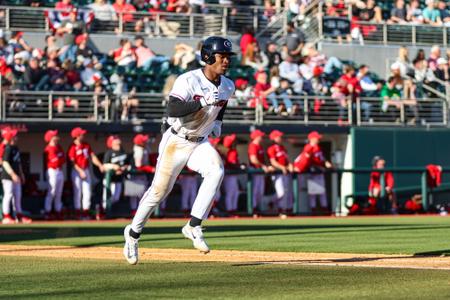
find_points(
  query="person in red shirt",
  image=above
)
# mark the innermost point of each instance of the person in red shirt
(64, 7)
(54, 160)
(261, 90)
(248, 38)
(375, 185)
(80, 154)
(311, 159)
(256, 158)
(125, 10)
(231, 181)
(283, 182)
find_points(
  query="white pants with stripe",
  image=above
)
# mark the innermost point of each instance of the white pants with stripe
(11, 191)
(174, 153)
(82, 190)
(55, 179)
(283, 189)
(231, 185)
(258, 189)
(189, 187)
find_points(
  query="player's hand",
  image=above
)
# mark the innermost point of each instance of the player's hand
(82, 174)
(15, 178)
(217, 129)
(209, 99)
(328, 165)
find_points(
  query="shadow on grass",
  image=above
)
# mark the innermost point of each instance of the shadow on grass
(35, 233)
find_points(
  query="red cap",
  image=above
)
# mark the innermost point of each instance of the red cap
(259, 73)
(49, 135)
(80, 39)
(8, 134)
(240, 82)
(229, 140)
(274, 134)
(314, 134)
(256, 133)
(110, 140)
(77, 132)
(214, 141)
(140, 139)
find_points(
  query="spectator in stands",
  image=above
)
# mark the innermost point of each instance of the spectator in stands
(398, 13)
(124, 10)
(197, 6)
(56, 76)
(307, 71)
(83, 50)
(177, 6)
(35, 78)
(414, 13)
(125, 55)
(442, 72)
(403, 62)
(431, 15)
(65, 7)
(130, 104)
(290, 70)
(435, 54)
(50, 45)
(254, 57)
(370, 12)
(444, 13)
(18, 69)
(390, 96)
(242, 94)
(328, 64)
(69, 30)
(104, 14)
(368, 87)
(146, 58)
(73, 78)
(6, 51)
(18, 43)
(247, 38)
(261, 91)
(90, 76)
(295, 40)
(273, 55)
(6, 73)
(283, 91)
(183, 56)
(404, 81)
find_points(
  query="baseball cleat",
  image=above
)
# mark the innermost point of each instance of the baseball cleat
(195, 234)
(8, 220)
(130, 249)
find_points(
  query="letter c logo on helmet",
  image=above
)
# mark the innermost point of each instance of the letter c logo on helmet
(213, 45)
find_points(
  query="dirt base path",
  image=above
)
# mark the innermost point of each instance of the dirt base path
(238, 257)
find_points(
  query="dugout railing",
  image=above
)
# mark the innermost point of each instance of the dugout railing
(340, 196)
(28, 106)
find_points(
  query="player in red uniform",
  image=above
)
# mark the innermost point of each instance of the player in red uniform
(81, 154)
(54, 160)
(256, 158)
(311, 159)
(375, 185)
(280, 161)
(231, 181)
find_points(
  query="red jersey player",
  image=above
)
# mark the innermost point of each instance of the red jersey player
(375, 184)
(54, 160)
(80, 154)
(230, 181)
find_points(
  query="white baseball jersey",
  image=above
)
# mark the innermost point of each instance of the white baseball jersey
(192, 86)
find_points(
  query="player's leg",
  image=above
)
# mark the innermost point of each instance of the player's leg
(7, 199)
(76, 182)
(17, 192)
(235, 191)
(59, 191)
(51, 177)
(206, 161)
(228, 185)
(258, 190)
(117, 192)
(279, 188)
(174, 152)
(87, 193)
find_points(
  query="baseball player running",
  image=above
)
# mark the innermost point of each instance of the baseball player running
(12, 179)
(55, 159)
(80, 154)
(196, 106)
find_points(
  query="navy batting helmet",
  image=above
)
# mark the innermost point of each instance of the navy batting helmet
(213, 45)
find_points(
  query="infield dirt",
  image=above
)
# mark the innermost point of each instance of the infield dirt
(235, 257)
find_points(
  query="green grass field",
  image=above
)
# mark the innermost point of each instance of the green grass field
(47, 278)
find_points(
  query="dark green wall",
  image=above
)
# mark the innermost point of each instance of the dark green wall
(400, 148)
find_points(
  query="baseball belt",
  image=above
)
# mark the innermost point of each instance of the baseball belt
(190, 138)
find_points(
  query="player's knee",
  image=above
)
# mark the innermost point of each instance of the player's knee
(216, 174)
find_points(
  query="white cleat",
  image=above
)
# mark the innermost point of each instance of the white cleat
(130, 249)
(195, 234)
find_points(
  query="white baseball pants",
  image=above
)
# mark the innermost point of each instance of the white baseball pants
(189, 187)
(174, 153)
(283, 190)
(11, 190)
(116, 192)
(231, 185)
(258, 189)
(55, 179)
(81, 190)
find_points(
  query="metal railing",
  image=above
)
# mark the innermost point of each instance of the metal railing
(307, 110)
(219, 19)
